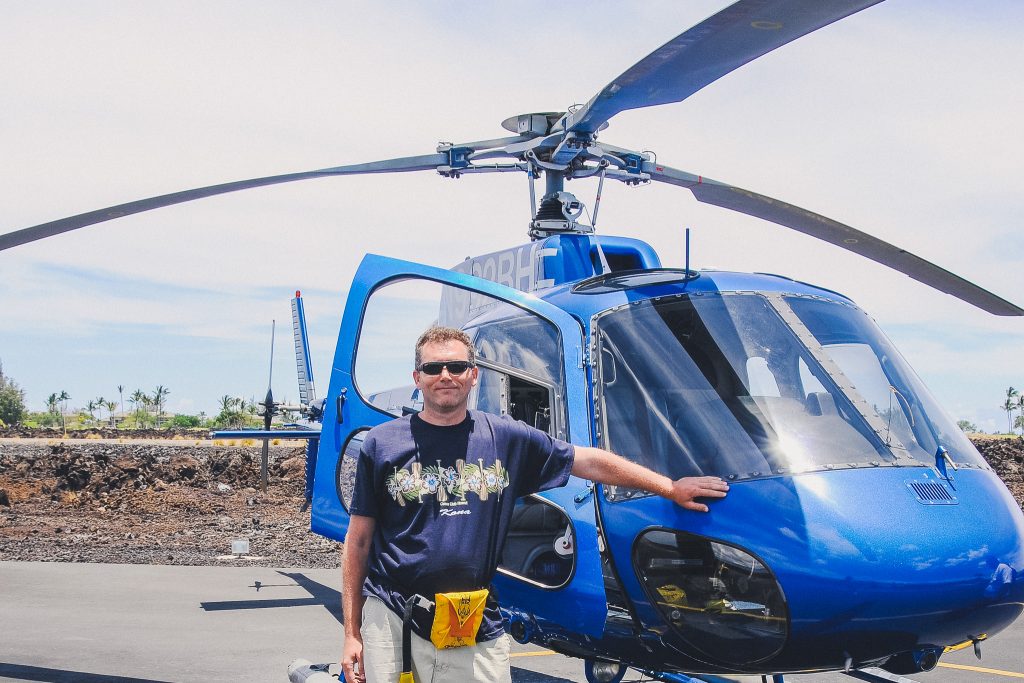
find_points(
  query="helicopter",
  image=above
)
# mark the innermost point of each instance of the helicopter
(786, 389)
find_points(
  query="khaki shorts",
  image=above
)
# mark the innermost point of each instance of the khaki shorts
(382, 653)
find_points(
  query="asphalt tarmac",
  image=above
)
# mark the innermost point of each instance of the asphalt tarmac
(102, 623)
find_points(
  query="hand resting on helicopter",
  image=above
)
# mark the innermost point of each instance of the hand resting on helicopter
(607, 468)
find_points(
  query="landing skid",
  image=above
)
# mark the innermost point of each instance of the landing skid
(613, 672)
(301, 671)
(875, 674)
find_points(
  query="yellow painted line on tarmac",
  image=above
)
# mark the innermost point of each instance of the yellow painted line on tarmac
(533, 653)
(981, 669)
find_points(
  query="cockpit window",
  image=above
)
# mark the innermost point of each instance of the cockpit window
(514, 338)
(910, 415)
(719, 384)
(518, 352)
(520, 360)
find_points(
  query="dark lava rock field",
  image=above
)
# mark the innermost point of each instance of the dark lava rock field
(139, 502)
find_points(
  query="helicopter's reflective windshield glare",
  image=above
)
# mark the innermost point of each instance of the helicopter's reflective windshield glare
(748, 385)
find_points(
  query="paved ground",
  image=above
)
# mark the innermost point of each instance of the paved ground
(101, 623)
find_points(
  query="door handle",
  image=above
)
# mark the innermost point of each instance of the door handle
(341, 404)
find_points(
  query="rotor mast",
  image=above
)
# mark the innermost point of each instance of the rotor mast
(554, 182)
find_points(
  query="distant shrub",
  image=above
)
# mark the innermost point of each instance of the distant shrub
(12, 401)
(186, 421)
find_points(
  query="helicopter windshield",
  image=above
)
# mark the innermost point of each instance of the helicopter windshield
(885, 380)
(742, 386)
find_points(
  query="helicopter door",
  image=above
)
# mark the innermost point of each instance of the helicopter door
(529, 355)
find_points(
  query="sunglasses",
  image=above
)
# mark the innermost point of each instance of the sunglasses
(455, 367)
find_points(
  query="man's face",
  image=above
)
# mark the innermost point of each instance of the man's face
(445, 393)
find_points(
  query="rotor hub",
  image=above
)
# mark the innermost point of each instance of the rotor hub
(533, 125)
(558, 213)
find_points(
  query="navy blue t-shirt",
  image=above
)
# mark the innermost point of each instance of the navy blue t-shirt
(442, 498)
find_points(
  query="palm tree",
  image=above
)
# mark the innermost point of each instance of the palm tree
(159, 398)
(1020, 416)
(64, 398)
(232, 411)
(91, 407)
(52, 409)
(120, 392)
(1009, 405)
(137, 399)
(101, 403)
(245, 408)
(147, 406)
(111, 405)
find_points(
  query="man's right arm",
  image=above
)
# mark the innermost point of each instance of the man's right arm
(353, 568)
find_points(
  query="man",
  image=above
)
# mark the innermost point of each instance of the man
(433, 498)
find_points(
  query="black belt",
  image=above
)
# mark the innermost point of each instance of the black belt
(410, 604)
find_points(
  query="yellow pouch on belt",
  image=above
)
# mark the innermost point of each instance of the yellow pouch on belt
(457, 618)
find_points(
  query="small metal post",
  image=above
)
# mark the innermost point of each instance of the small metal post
(533, 191)
(263, 466)
(597, 201)
(268, 413)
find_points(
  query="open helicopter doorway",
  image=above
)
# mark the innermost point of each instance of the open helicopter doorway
(526, 351)
(503, 393)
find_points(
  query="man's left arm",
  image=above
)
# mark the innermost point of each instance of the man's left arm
(607, 468)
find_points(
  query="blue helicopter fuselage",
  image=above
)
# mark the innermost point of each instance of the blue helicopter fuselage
(860, 524)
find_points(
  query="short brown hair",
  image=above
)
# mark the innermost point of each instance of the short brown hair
(443, 335)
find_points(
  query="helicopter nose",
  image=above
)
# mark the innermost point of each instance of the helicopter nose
(838, 569)
(900, 562)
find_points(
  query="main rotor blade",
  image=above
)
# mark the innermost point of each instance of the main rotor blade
(711, 49)
(37, 232)
(813, 224)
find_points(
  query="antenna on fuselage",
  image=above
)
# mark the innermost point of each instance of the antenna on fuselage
(687, 252)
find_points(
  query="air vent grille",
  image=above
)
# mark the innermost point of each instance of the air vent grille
(932, 492)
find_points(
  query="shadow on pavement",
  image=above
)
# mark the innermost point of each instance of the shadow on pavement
(527, 676)
(327, 596)
(320, 594)
(23, 672)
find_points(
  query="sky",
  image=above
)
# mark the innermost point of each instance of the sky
(902, 121)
